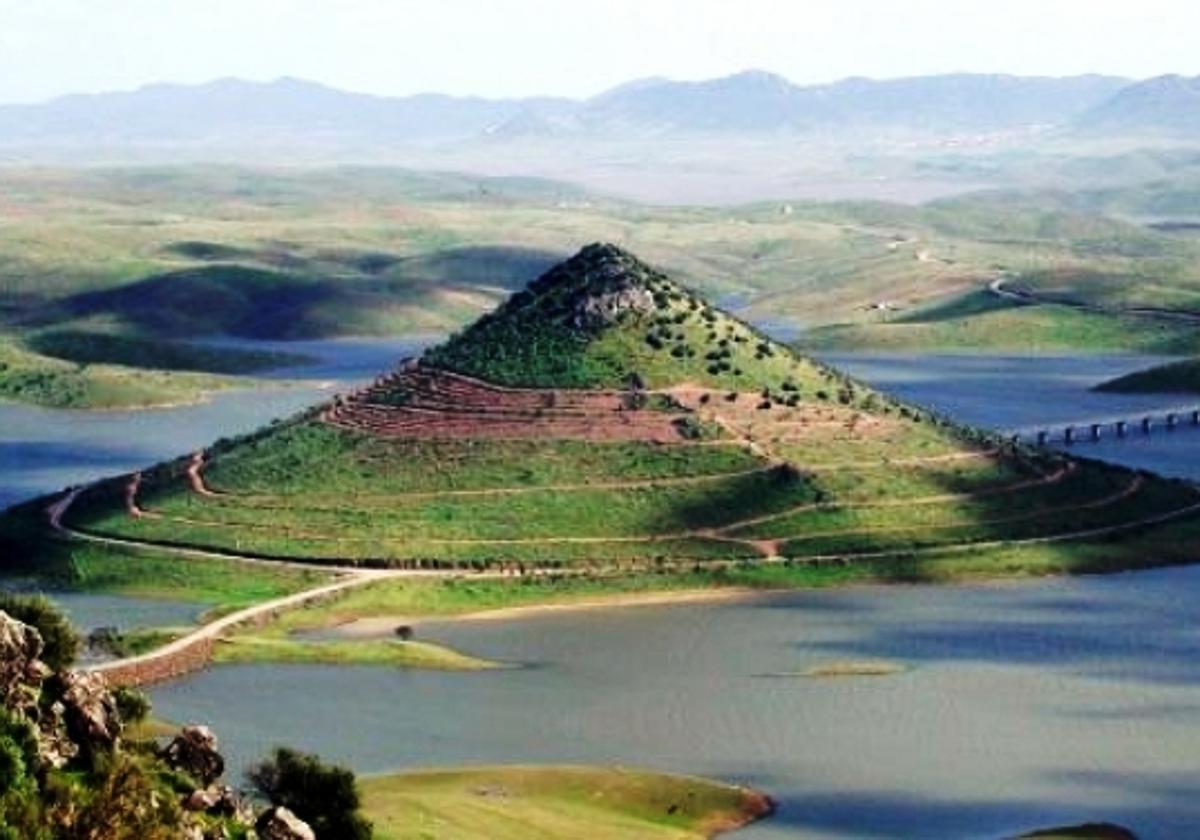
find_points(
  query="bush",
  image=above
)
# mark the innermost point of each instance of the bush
(59, 637)
(323, 795)
(132, 705)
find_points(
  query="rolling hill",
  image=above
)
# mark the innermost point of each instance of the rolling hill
(606, 418)
(1162, 105)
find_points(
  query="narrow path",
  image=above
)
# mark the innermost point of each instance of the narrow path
(212, 631)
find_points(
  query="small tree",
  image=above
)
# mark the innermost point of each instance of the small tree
(323, 795)
(61, 642)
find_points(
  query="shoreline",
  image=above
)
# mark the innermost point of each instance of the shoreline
(369, 626)
(728, 806)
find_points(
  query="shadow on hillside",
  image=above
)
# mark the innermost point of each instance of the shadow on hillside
(285, 291)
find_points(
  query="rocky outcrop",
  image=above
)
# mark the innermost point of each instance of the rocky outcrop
(21, 671)
(220, 801)
(279, 823)
(194, 752)
(90, 710)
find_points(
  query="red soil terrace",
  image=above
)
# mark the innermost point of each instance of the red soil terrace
(423, 402)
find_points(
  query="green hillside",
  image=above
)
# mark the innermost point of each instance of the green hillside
(1181, 377)
(981, 322)
(608, 419)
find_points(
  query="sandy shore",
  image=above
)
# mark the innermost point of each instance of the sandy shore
(383, 625)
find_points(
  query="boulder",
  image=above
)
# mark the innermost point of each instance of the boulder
(21, 671)
(279, 823)
(194, 751)
(220, 801)
(55, 747)
(90, 710)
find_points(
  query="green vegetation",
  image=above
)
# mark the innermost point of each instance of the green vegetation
(512, 803)
(837, 670)
(54, 383)
(605, 319)
(260, 647)
(29, 554)
(404, 600)
(981, 322)
(372, 251)
(777, 458)
(61, 642)
(1173, 378)
(324, 796)
(90, 348)
(327, 466)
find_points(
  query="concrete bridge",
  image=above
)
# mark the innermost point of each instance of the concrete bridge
(1094, 429)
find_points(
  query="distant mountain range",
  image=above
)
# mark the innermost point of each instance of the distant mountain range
(295, 114)
(1163, 105)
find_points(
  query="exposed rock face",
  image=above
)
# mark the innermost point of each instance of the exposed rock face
(22, 676)
(54, 744)
(220, 801)
(281, 824)
(90, 710)
(194, 751)
(21, 672)
(600, 310)
(614, 283)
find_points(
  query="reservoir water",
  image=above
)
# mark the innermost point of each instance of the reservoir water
(1020, 706)
(43, 450)
(1024, 705)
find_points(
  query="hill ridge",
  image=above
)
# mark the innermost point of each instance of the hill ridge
(603, 318)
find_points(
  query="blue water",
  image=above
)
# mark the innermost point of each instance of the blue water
(43, 450)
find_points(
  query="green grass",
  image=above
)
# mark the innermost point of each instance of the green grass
(1172, 378)
(258, 648)
(42, 380)
(89, 348)
(1168, 545)
(963, 326)
(29, 554)
(515, 803)
(328, 465)
(667, 336)
(383, 251)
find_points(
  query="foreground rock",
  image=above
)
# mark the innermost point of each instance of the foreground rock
(21, 672)
(281, 824)
(194, 751)
(90, 710)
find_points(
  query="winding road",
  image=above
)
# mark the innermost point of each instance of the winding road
(999, 288)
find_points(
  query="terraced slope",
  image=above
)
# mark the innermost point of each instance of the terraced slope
(607, 418)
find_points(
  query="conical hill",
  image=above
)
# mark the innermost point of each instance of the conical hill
(607, 418)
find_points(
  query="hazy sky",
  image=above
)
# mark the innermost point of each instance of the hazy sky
(573, 47)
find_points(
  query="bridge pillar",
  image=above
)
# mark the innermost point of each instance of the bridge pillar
(1069, 435)
(1095, 431)
(1171, 421)
(1120, 426)
(1146, 421)
(1042, 437)
(1196, 417)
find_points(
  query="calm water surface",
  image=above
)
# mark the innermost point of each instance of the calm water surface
(43, 450)
(1025, 705)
